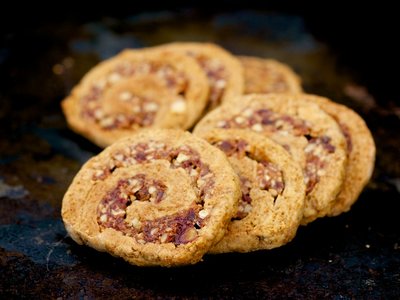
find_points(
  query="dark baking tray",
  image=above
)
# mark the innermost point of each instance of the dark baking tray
(355, 255)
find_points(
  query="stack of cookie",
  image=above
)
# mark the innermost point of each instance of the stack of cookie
(262, 158)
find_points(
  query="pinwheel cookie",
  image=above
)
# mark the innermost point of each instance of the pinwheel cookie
(273, 191)
(159, 197)
(360, 152)
(268, 76)
(224, 71)
(312, 137)
(137, 89)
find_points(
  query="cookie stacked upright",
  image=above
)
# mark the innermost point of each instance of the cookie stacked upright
(160, 197)
(168, 86)
(263, 157)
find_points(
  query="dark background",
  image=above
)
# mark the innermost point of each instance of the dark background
(363, 35)
(45, 50)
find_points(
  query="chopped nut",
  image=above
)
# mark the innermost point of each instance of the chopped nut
(162, 72)
(193, 173)
(182, 157)
(111, 164)
(164, 238)
(247, 112)
(221, 124)
(158, 145)
(239, 120)
(152, 189)
(203, 213)
(178, 106)
(200, 182)
(114, 77)
(99, 173)
(189, 235)
(136, 223)
(284, 132)
(220, 83)
(279, 123)
(133, 182)
(103, 218)
(136, 108)
(143, 68)
(153, 231)
(257, 127)
(121, 118)
(119, 157)
(117, 212)
(273, 192)
(107, 122)
(208, 175)
(98, 113)
(247, 208)
(151, 107)
(100, 84)
(125, 96)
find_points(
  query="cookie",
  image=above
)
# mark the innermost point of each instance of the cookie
(312, 137)
(360, 152)
(268, 76)
(224, 71)
(134, 90)
(273, 190)
(159, 197)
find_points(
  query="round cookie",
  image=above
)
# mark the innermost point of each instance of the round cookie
(273, 191)
(312, 137)
(360, 152)
(137, 89)
(224, 71)
(268, 76)
(158, 197)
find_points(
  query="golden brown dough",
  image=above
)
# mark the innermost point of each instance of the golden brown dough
(269, 76)
(312, 137)
(360, 152)
(224, 71)
(158, 197)
(273, 191)
(137, 89)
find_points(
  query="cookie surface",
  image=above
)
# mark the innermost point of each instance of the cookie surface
(273, 191)
(159, 197)
(137, 89)
(312, 137)
(224, 71)
(360, 152)
(268, 76)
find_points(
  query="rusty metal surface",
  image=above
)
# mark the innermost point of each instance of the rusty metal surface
(355, 255)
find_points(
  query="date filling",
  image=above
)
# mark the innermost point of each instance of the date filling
(141, 110)
(265, 120)
(217, 77)
(317, 153)
(179, 228)
(269, 177)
